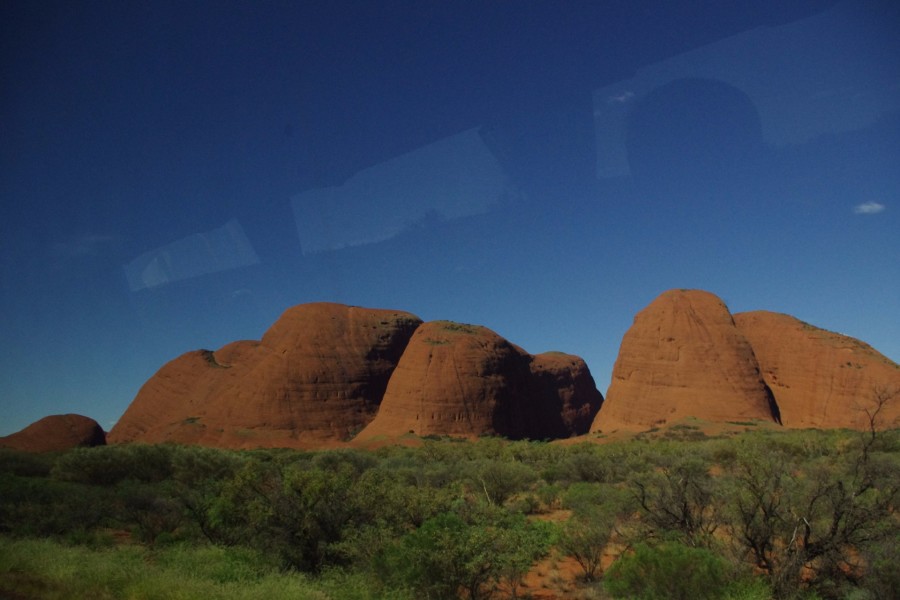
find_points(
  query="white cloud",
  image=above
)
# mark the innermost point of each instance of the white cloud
(868, 208)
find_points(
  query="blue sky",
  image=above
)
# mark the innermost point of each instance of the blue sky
(174, 175)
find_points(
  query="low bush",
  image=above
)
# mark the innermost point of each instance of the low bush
(669, 571)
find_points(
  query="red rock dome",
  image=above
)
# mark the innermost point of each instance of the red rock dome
(820, 378)
(466, 380)
(317, 375)
(56, 433)
(682, 357)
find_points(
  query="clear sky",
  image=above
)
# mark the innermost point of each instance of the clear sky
(173, 175)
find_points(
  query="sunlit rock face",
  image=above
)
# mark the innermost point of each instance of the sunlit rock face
(318, 375)
(684, 357)
(820, 378)
(56, 433)
(466, 380)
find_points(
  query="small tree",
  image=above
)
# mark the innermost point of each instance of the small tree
(795, 518)
(584, 537)
(679, 498)
(522, 543)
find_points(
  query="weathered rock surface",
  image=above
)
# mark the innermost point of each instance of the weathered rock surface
(682, 357)
(56, 433)
(466, 380)
(318, 375)
(820, 378)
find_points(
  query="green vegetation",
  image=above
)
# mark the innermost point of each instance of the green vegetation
(669, 571)
(52, 570)
(763, 514)
(459, 327)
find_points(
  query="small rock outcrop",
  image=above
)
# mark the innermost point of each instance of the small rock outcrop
(466, 380)
(820, 378)
(318, 375)
(56, 433)
(683, 357)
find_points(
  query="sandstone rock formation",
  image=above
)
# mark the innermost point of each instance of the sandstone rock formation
(317, 375)
(325, 372)
(820, 378)
(682, 357)
(466, 380)
(56, 433)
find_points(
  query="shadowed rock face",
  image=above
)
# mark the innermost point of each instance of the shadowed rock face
(466, 380)
(820, 378)
(566, 379)
(56, 433)
(683, 356)
(318, 374)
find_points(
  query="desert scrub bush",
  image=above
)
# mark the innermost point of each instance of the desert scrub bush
(549, 495)
(679, 498)
(669, 571)
(25, 464)
(499, 480)
(582, 497)
(586, 534)
(448, 556)
(383, 508)
(684, 432)
(295, 512)
(107, 465)
(882, 577)
(34, 506)
(607, 463)
(358, 460)
(151, 510)
(804, 522)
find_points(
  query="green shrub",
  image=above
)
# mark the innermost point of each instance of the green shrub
(670, 571)
(583, 497)
(32, 506)
(499, 480)
(107, 465)
(882, 576)
(25, 464)
(448, 556)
